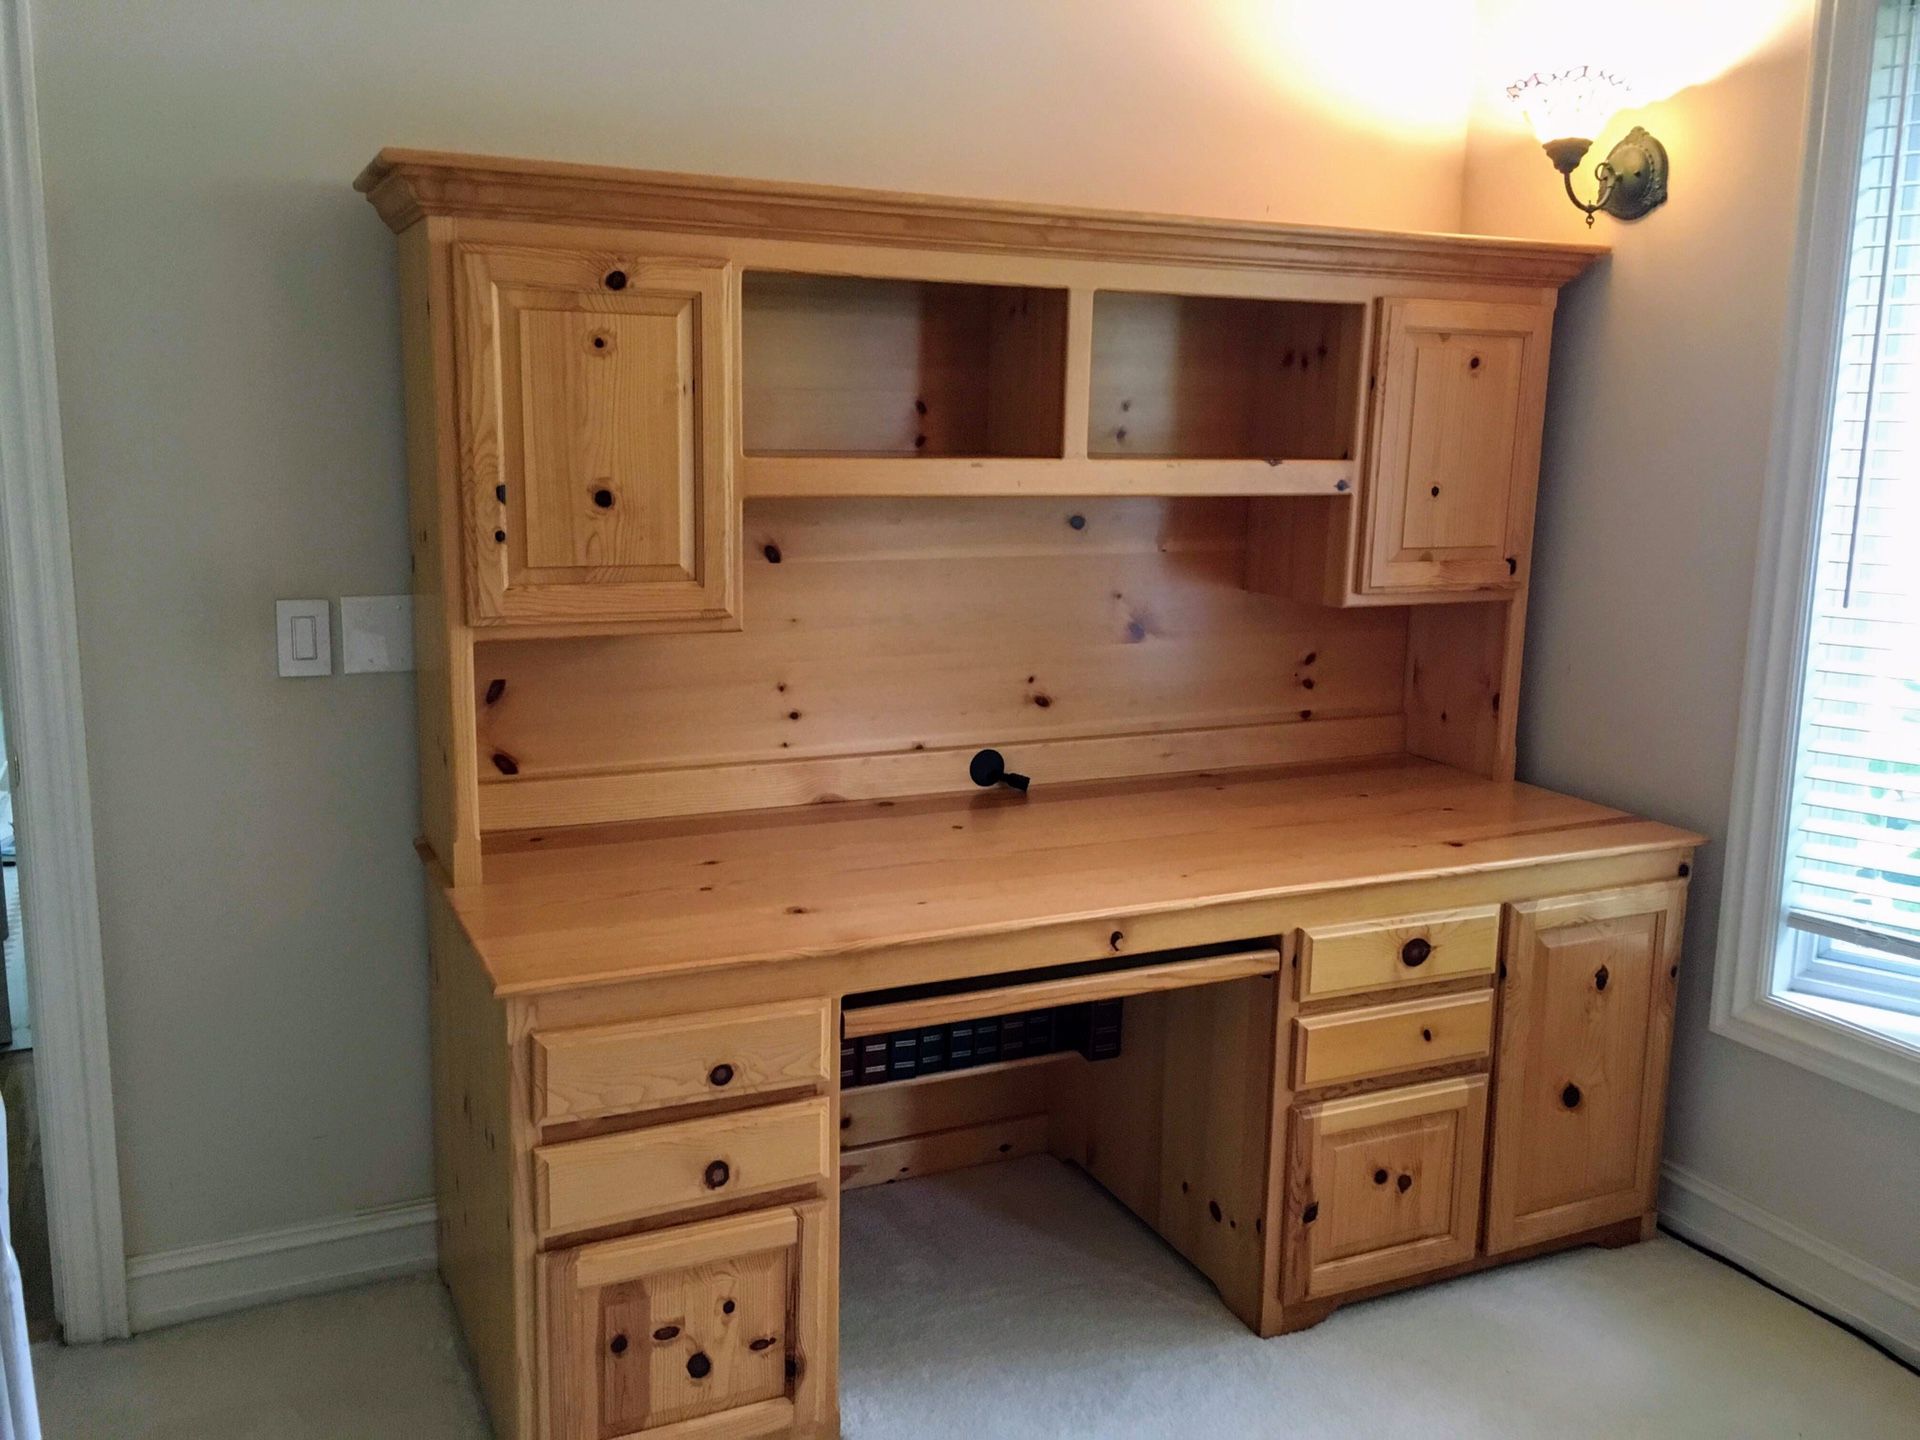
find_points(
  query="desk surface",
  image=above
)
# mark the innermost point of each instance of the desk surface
(593, 907)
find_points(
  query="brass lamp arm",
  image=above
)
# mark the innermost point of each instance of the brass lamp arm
(1633, 177)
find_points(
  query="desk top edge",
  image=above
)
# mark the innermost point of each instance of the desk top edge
(541, 925)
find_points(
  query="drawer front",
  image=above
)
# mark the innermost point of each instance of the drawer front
(720, 1328)
(1410, 950)
(1384, 1186)
(621, 1069)
(583, 1184)
(1384, 1039)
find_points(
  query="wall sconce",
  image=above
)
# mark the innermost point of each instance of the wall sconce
(1567, 109)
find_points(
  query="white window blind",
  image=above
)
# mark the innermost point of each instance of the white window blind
(1853, 891)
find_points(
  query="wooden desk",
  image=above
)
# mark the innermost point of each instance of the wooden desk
(741, 516)
(590, 988)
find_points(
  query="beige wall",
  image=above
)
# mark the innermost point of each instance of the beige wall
(1665, 366)
(224, 312)
(227, 347)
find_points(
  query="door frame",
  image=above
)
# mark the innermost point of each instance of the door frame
(46, 731)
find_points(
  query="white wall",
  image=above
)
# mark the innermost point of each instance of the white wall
(224, 310)
(1665, 364)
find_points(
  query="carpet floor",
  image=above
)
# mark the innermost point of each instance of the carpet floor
(1020, 1300)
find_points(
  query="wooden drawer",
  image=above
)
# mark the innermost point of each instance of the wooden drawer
(1380, 1187)
(1409, 950)
(1383, 1039)
(648, 1065)
(583, 1184)
(718, 1329)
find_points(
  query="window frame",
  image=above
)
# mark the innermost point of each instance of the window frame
(1759, 955)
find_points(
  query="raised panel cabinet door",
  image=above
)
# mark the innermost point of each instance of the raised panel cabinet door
(709, 1329)
(1580, 1066)
(1455, 458)
(595, 462)
(1383, 1186)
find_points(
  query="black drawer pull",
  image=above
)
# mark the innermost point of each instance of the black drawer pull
(720, 1075)
(1415, 951)
(718, 1173)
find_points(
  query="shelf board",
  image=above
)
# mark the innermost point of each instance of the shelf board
(820, 476)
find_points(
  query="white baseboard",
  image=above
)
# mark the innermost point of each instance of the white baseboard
(169, 1286)
(1873, 1301)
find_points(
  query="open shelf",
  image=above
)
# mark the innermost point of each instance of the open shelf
(1185, 377)
(845, 366)
(855, 386)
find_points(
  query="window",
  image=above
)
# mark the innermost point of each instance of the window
(1852, 896)
(1819, 944)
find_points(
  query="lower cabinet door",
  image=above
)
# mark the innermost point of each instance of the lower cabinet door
(1383, 1186)
(720, 1328)
(1580, 1067)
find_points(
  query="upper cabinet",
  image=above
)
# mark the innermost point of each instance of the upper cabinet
(594, 451)
(1460, 397)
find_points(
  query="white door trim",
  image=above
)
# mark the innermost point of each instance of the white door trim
(40, 656)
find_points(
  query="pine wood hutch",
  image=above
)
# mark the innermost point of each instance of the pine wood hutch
(743, 516)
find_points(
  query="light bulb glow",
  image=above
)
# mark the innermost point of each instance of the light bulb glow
(1571, 104)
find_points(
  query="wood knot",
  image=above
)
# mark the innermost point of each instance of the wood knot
(495, 689)
(765, 1342)
(1404, 1183)
(666, 1333)
(699, 1366)
(772, 552)
(618, 1345)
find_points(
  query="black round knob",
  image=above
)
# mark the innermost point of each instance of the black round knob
(986, 768)
(1415, 951)
(618, 1344)
(616, 279)
(1379, 1177)
(720, 1075)
(718, 1173)
(699, 1366)
(603, 497)
(1427, 1035)
(1570, 1096)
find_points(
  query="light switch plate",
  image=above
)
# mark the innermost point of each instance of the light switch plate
(306, 637)
(376, 633)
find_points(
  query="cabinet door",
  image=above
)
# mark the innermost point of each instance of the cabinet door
(1383, 1186)
(649, 1334)
(594, 441)
(1580, 1070)
(1456, 445)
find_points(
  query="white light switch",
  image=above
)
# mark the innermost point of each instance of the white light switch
(306, 637)
(376, 633)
